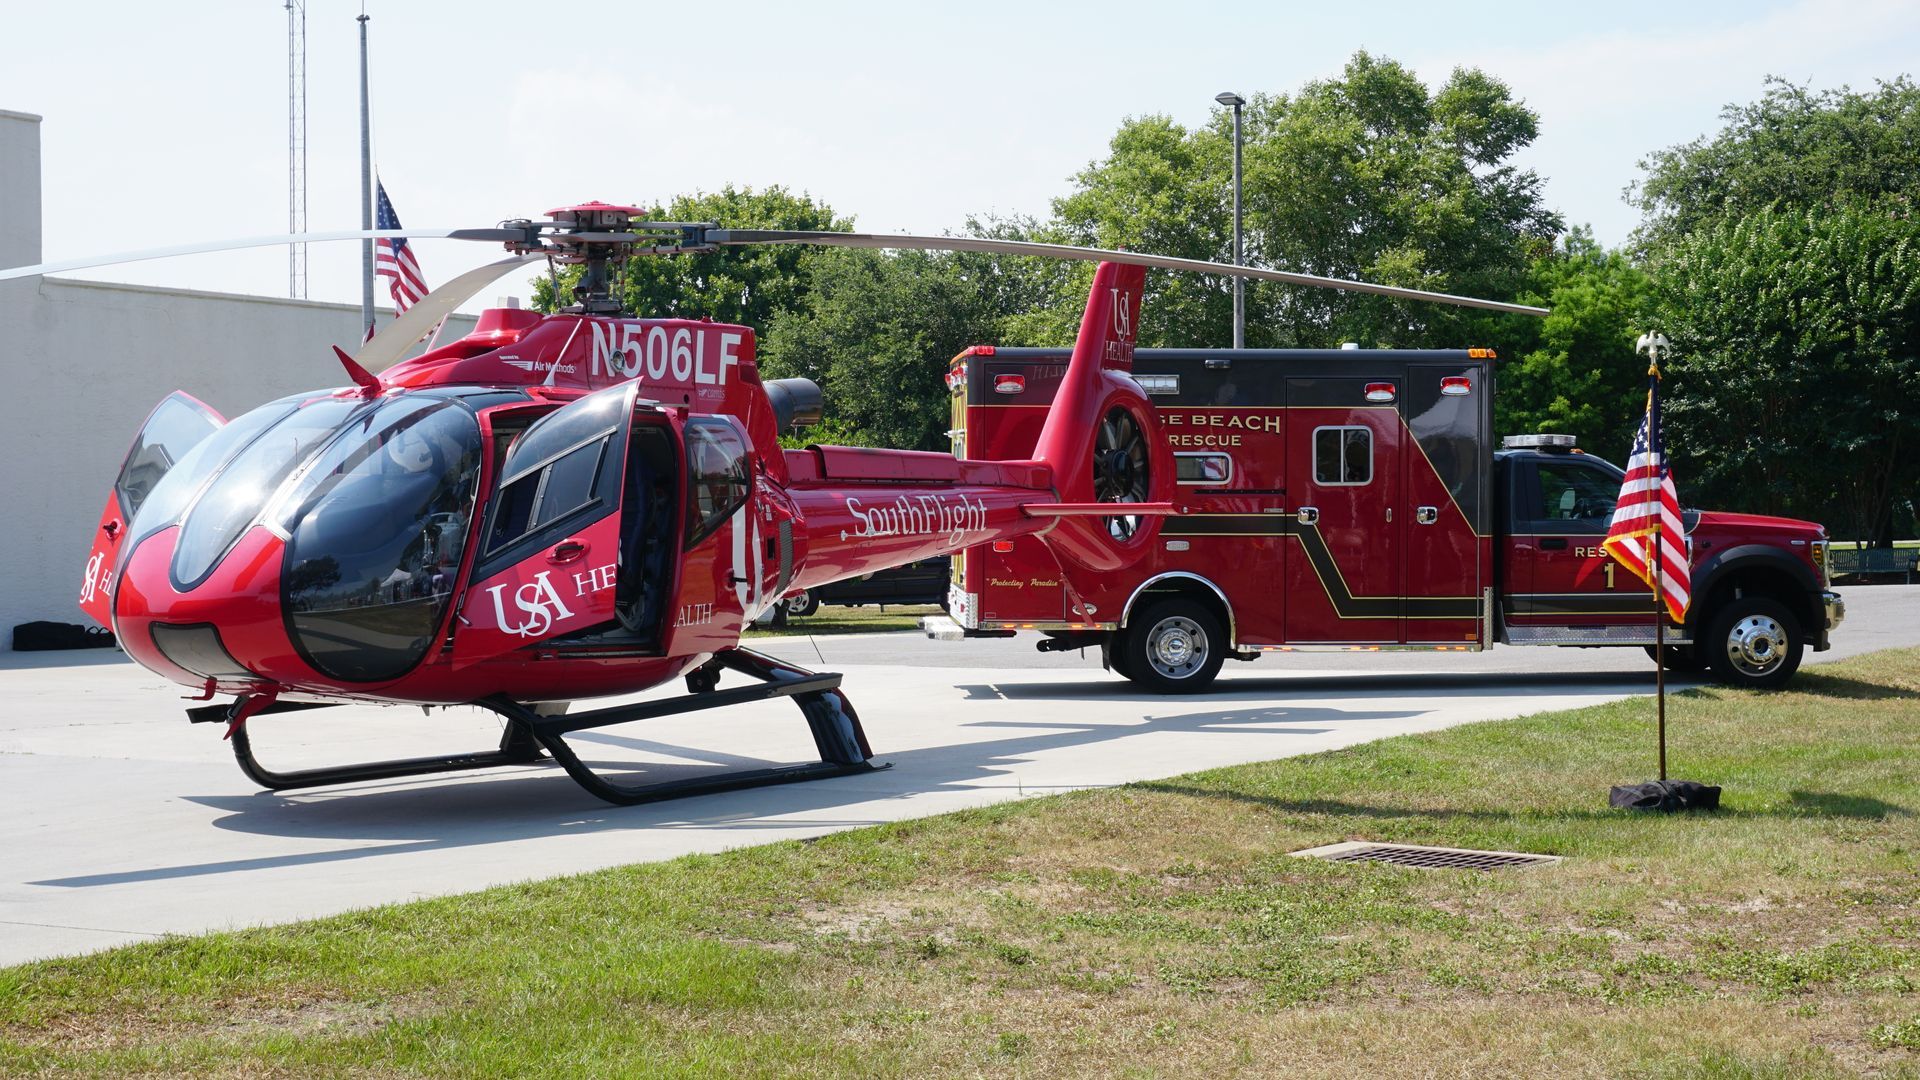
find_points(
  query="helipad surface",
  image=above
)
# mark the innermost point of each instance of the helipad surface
(119, 821)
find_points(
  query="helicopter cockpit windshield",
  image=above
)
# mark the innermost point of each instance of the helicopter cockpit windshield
(375, 530)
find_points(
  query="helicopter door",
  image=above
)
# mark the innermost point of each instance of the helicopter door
(549, 556)
(176, 425)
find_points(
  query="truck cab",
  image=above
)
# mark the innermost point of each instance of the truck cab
(1355, 499)
(1760, 586)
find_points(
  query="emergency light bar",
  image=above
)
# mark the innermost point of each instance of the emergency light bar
(1539, 442)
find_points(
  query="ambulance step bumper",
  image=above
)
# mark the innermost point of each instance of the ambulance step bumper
(1589, 635)
(943, 628)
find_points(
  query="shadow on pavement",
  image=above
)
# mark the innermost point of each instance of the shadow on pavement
(510, 804)
(1451, 684)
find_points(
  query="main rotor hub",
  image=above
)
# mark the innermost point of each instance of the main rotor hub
(600, 237)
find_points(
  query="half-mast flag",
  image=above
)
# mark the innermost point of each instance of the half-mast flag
(1649, 512)
(393, 256)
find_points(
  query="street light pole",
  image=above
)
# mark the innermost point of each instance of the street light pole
(1235, 101)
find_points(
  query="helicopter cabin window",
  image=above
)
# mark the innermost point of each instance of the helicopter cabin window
(1342, 456)
(718, 474)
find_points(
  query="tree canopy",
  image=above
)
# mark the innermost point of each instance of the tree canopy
(1793, 147)
(1366, 175)
(1797, 333)
(1575, 372)
(1782, 248)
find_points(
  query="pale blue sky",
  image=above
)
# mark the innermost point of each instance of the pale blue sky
(163, 127)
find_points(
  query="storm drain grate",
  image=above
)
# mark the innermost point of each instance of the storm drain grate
(1433, 858)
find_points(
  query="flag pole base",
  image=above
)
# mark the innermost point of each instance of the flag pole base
(1665, 796)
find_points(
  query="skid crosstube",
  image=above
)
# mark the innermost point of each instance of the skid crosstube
(837, 734)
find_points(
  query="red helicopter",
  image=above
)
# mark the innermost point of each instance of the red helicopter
(581, 504)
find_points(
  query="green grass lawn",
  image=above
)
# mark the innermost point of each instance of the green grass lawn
(1152, 930)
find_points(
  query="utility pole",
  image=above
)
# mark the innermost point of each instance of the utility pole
(366, 190)
(1235, 101)
(296, 145)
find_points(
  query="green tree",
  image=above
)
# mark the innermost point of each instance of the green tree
(1793, 147)
(1366, 175)
(1796, 381)
(1576, 372)
(878, 330)
(1828, 167)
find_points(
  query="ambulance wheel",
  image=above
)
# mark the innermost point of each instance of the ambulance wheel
(803, 605)
(1754, 643)
(1680, 658)
(1174, 647)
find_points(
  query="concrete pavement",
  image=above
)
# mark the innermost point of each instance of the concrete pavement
(120, 822)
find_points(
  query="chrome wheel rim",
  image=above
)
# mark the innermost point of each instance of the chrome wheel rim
(1177, 647)
(1757, 645)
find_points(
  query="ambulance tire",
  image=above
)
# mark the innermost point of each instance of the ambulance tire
(1175, 646)
(1754, 643)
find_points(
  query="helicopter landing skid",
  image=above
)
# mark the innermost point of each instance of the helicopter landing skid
(837, 734)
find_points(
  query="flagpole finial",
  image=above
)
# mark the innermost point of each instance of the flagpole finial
(1657, 348)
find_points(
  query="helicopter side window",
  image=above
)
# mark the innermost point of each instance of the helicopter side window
(548, 492)
(562, 472)
(719, 479)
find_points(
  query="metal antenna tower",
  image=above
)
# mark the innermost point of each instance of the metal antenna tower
(296, 145)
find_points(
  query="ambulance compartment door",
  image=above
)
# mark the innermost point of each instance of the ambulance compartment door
(1449, 519)
(1343, 572)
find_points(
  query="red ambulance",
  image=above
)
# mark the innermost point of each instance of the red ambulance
(1355, 499)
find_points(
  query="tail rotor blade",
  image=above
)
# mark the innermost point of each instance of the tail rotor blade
(742, 237)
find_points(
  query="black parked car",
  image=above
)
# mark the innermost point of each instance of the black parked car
(924, 582)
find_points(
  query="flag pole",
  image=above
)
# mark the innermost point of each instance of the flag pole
(366, 192)
(1653, 499)
(1660, 648)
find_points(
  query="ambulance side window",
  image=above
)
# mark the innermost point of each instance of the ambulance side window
(1342, 456)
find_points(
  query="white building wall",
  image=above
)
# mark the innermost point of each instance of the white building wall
(81, 365)
(19, 188)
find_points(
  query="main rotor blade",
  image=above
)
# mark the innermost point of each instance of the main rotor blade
(394, 339)
(742, 237)
(496, 235)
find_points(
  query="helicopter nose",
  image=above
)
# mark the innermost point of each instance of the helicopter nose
(224, 632)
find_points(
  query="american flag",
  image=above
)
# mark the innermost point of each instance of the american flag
(393, 256)
(1649, 507)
